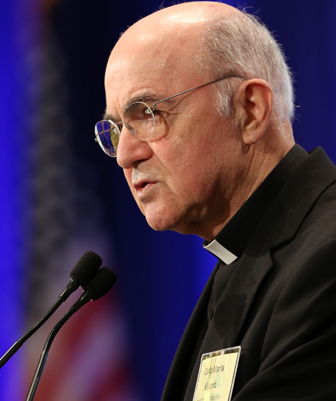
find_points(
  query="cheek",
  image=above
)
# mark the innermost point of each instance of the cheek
(187, 175)
(197, 167)
(180, 159)
(175, 151)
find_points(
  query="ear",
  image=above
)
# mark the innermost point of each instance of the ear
(253, 109)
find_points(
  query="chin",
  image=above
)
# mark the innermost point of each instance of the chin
(166, 216)
(158, 226)
(170, 224)
(161, 222)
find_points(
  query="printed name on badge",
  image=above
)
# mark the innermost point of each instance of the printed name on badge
(217, 374)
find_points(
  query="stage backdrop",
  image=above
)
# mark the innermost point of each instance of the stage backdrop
(62, 196)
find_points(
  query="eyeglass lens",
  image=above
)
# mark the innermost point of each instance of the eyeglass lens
(107, 135)
(140, 121)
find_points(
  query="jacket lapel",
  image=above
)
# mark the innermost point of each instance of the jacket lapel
(236, 301)
(179, 370)
(229, 315)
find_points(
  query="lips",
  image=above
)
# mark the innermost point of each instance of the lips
(142, 181)
(142, 185)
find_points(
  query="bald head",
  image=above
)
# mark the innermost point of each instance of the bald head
(184, 16)
(163, 36)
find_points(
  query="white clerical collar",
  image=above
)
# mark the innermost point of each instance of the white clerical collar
(220, 252)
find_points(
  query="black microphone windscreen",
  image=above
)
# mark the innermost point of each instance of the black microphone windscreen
(102, 282)
(86, 268)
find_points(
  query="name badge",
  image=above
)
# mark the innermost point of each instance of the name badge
(216, 375)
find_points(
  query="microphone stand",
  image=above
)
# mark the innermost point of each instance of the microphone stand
(85, 297)
(102, 282)
(72, 286)
(83, 272)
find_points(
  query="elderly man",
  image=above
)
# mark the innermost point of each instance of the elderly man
(199, 104)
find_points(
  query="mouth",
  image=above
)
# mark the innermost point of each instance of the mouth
(141, 186)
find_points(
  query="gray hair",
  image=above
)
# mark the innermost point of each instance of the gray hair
(241, 44)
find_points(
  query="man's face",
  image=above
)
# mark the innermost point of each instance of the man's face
(186, 180)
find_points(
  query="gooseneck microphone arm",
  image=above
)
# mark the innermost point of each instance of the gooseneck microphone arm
(30, 332)
(99, 286)
(47, 345)
(80, 275)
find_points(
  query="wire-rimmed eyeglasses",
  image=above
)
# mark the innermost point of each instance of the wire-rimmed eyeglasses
(141, 120)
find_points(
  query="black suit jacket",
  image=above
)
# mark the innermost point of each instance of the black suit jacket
(280, 302)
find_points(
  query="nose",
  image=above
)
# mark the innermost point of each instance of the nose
(131, 150)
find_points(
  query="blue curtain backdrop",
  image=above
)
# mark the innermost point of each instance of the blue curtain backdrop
(19, 24)
(160, 275)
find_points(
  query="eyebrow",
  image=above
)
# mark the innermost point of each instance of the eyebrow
(149, 97)
(141, 97)
(108, 116)
(146, 96)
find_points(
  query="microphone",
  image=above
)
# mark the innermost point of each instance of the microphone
(102, 282)
(80, 275)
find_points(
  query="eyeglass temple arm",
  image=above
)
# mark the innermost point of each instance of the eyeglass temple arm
(197, 87)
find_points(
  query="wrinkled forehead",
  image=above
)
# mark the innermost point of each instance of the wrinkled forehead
(147, 58)
(142, 52)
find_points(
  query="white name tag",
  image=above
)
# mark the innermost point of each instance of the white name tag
(216, 375)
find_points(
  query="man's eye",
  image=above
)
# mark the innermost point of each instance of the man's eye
(158, 116)
(138, 111)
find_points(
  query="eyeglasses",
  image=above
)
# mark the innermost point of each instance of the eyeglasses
(141, 120)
